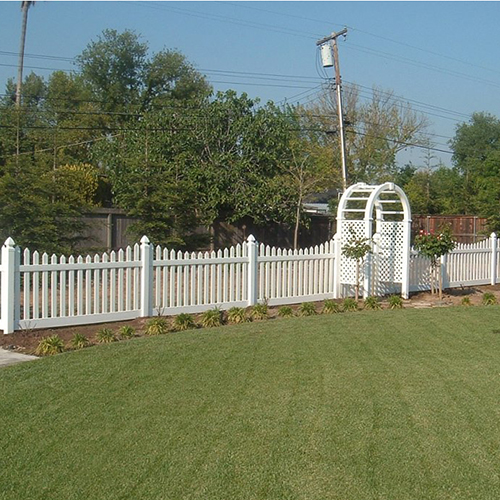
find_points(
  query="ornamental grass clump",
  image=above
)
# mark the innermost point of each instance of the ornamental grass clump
(331, 307)
(211, 318)
(434, 246)
(126, 332)
(466, 302)
(237, 315)
(395, 302)
(156, 326)
(372, 303)
(79, 341)
(260, 311)
(307, 309)
(488, 299)
(349, 305)
(105, 336)
(183, 322)
(49, 346)
(285, 312)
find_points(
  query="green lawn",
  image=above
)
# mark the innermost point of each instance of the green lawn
(369, 405)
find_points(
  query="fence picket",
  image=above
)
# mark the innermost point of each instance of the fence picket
(105, 283)
(27, 288)
(128, 280)
(112, 283)
(71, 287)
(62, 288)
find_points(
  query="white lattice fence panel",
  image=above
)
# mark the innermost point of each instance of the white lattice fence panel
(348, 266)
(390, 252)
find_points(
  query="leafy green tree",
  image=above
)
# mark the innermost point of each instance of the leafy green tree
(476, 157)
(117, 69)
(224, 158)
(41, 208)
(114, 66)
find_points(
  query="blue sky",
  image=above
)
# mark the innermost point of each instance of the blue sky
(442, 56)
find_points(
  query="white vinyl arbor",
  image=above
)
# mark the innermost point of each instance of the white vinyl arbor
(382, 215)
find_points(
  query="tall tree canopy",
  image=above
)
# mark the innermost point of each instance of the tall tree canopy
(119, 72)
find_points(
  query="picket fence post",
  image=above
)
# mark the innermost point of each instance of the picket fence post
(10, 297)
(493, 238)
(252, 270)
(146, 278)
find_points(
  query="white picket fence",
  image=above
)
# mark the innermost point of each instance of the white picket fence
(39, 291)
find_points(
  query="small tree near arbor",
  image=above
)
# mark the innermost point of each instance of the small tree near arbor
(434, 246)
(356, 248)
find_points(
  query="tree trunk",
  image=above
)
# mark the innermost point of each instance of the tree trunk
(297, 224)
(440, 276)
(356, 288)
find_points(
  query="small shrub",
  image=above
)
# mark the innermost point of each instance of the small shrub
(126, 332)
(307, 309)
(349, 305)
(466, 301)
(395, 302)
(183, 322)
(237, 315)
(372, 303)
(489, 299)
(156, 326)
(211, 318)
(105, 336)
(285, 312)
(260, 311)
(331, 307)
(79, 341)
(49, 346)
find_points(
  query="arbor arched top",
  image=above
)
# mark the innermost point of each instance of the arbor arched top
(359, 201)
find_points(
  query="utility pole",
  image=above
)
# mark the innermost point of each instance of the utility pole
(24, 8)
(327, 44)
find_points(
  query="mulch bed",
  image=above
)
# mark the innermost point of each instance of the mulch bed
(26, 341)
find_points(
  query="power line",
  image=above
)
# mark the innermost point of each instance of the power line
(375, 35)
(403, 143)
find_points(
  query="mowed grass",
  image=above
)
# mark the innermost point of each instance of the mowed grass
(369, 405)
